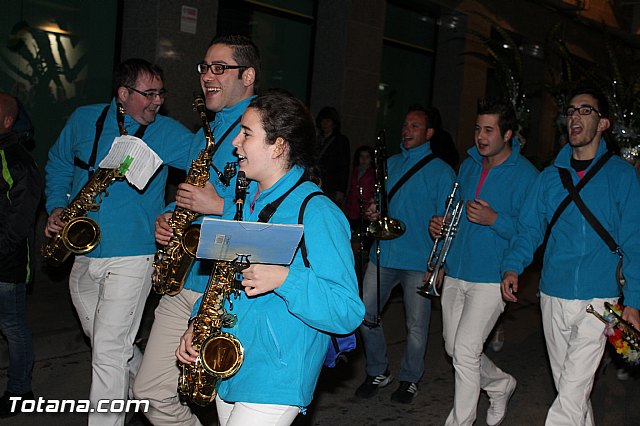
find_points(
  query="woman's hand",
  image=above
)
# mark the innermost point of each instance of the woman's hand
(260, 279)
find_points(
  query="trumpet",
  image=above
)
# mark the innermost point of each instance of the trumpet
(441, 245)
(385, 228)
(628, 333)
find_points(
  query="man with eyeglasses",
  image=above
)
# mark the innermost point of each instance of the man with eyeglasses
(229, 76)
(110, 284)
(579, 268)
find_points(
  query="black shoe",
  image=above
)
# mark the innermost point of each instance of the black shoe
(405, 393)
(372, 383)
(6, 403)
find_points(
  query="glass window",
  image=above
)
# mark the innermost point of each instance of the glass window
(408, 57)
(284, 37)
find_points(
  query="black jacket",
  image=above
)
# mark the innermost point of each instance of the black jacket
(20, 193)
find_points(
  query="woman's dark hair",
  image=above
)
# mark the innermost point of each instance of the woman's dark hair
(284, 116)
(361, 149)
(332, 114)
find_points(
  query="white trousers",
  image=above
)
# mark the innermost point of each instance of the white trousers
(157, 380)
(575, 343)
(245, 413)
(469, 312)
(109, 295)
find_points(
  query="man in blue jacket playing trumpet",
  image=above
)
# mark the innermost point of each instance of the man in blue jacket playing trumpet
(493, 183)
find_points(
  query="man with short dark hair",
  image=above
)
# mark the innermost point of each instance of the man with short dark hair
(229, 74)
(20, 193)
(110, 284)
(493, 180)
(579, 267)
(403, 260)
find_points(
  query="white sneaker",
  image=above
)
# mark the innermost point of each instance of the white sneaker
(498, 409)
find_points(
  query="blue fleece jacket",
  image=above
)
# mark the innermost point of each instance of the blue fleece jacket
(421, 197)
(197, 278)
(284, 331)
(577, 263)
(127, 214)
(477, 250)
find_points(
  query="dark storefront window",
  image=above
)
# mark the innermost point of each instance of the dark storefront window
(407, 66)
(283, 30)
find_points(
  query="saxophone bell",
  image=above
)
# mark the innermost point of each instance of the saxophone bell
(190, 240)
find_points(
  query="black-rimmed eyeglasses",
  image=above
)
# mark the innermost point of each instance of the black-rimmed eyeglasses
(583, 110)
(150, 94)
(217, 69)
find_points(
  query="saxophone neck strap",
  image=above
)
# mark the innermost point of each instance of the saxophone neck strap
(267, 212)
(564, 174)
(412, 171)
(90, 166)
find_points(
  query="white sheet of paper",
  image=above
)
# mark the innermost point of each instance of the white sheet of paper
(144, 162)
(264, 242)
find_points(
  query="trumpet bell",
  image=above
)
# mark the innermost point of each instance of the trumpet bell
(386, 228)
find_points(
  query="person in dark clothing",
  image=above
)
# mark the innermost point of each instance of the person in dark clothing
(20, 193)
(442, 143)
(334, 154)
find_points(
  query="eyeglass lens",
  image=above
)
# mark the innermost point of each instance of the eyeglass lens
(584, 110)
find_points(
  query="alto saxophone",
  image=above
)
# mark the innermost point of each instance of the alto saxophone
(81, 234)
(220, 353)
(173, 262)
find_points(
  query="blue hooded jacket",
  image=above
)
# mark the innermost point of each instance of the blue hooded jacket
(578, 265)
(424, 195)
(284, 332)
(477, 250)
(126, 215)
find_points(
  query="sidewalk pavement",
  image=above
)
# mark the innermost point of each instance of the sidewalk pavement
(63, 369)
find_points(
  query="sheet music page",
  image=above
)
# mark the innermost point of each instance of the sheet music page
(263, 242)
(131, 153)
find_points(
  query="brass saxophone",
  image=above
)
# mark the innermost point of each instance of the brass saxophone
(220, 353)
(81, 234)
(172, 263)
